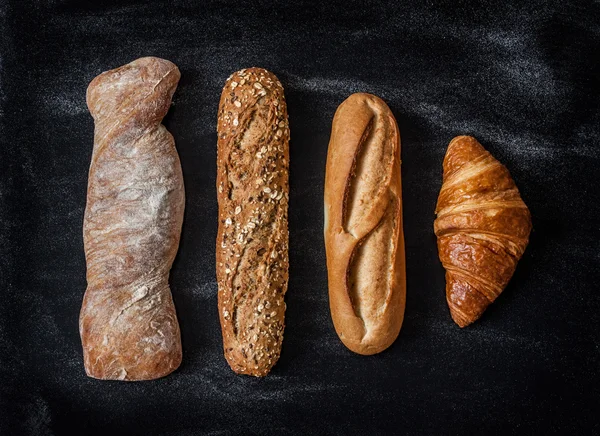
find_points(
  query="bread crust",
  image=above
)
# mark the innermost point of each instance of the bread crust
(482, 228)
(364, 240)
(252, 239)
(132, 225)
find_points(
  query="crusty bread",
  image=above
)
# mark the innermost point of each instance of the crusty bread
(252, 240)
(364, 240)
(132, 224)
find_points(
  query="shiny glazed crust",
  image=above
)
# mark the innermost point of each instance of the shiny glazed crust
(482, 227)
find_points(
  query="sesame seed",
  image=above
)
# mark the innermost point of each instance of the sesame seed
(281, 124)
(234, 84)
(273, 314)
(251, 225)
(238, 104)
(279, 131)
(227, 271)
(260, 307)
(228, 222)
(267, 190)
(235, 122)
(258, 85)
(225, 314)
(238, 210)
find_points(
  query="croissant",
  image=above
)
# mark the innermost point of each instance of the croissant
(482, 228)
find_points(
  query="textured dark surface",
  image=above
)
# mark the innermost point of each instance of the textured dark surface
(522, 78)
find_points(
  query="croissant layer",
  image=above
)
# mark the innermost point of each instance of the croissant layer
(482, 228)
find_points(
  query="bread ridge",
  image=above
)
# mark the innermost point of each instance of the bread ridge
(364, 239)
(252, 238)
(132, 225)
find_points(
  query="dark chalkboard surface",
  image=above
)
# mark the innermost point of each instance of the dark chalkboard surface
(522, 77)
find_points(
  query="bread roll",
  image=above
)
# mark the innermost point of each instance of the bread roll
(132, 225)
(252, 240)
(364, 241)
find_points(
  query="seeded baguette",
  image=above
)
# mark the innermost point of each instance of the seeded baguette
(364, 240)
(252, 239)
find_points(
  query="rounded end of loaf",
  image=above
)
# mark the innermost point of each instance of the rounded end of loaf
(359, 99)
(135, 81)
(372, 343)
(249, 75)
(116, 347)
(375, 335)
(149, 369)
(246, 366)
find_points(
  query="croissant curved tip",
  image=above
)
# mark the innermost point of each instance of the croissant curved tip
(459, 318)
(461, 138)
(469, 144)
(466, 304)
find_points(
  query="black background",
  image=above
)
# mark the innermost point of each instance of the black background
(521, 77)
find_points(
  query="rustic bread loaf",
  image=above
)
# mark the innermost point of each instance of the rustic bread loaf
(132, 224)
(364, 240)
(252, 240)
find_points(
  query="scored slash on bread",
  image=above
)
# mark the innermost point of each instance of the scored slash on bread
(132, 225)
(482, 227)
(364, 239)
(252, 239)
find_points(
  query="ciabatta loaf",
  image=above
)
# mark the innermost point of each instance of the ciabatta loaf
(132, 225)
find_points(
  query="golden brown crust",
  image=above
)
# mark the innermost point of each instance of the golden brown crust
(482, 227)
(364, 240)
(132, 225)
(252, 239)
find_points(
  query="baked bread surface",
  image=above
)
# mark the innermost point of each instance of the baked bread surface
(132, 224)
(364, 240)
(252, 239)
(482, 228)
